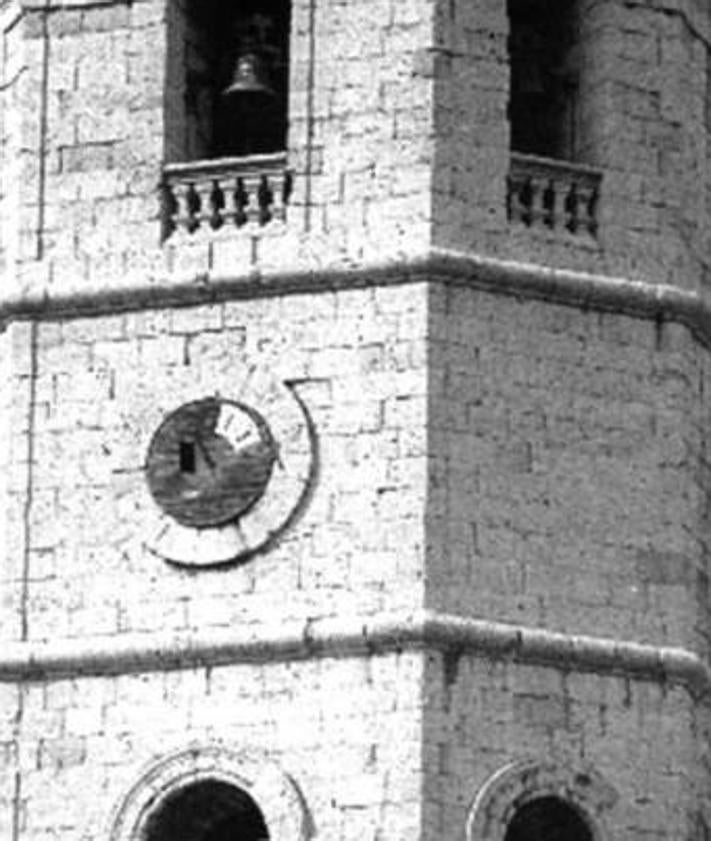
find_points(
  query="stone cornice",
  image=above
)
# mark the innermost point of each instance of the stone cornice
(62, 5)
(352, 637)
(637, 299)
(522, 280)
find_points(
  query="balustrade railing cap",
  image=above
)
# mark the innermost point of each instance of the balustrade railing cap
(273, 163)
(527, 164)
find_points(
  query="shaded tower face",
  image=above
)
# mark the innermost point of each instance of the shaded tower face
(614, 120)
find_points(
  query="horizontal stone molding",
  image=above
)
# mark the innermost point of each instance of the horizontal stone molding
(62, 5)
(352, 637)
(585, 291)
(638, 299)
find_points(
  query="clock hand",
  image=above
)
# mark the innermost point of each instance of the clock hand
(205, 452)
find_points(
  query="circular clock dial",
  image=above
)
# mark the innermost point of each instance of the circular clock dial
(209, 461)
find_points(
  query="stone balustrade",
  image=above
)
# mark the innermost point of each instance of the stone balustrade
(225, 192)
(558, 195)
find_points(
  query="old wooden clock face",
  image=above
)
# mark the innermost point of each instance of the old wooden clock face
(210, 461)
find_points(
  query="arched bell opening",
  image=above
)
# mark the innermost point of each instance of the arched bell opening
(208, 810)
(547, 819)
(544, 97)
(227, 81)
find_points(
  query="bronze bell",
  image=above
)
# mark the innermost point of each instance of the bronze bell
(250, 75)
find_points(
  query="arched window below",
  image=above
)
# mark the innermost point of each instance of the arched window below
(521, 802)
(547, 819)
(208, 810)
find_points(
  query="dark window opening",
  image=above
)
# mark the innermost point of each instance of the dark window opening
(543, 51)
(187, 457)
(547, 819)
(210, 810)
(228, 79)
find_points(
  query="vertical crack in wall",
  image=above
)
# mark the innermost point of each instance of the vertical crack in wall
(16, 806)
(17, 787)
(27, 511)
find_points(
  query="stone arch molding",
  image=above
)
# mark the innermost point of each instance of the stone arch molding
(275, 794)
(524, 780)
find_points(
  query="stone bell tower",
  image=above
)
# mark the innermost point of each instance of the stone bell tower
(354, 405)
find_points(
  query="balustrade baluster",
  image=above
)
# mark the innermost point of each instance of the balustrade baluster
(523, 200)
(204, 191)
(279, 188)
(241, 201)
(252, 209)
(217, 205)
(538, 213)
(169, 210)
(550, 204)
(528, 200)
(228, 210)
(265, 198)
(188, 205)
(590, 210)
(572, 208)
(224, 193)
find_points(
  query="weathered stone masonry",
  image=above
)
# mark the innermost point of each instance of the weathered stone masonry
(492, 585)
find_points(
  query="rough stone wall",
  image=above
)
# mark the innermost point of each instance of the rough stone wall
(92, 140)
(96, 736)
(90, 393)
(566, 489)
(643, 83)
(11, 149)
(640, 737)
(647, 88)
(518, 461)
(471, 71)
(398, 139)
(95, 134)
(369, 107)
(13, 453)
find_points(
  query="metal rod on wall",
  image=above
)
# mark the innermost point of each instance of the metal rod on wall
(310, 115)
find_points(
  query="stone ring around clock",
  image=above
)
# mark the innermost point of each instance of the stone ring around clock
(225, 477)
